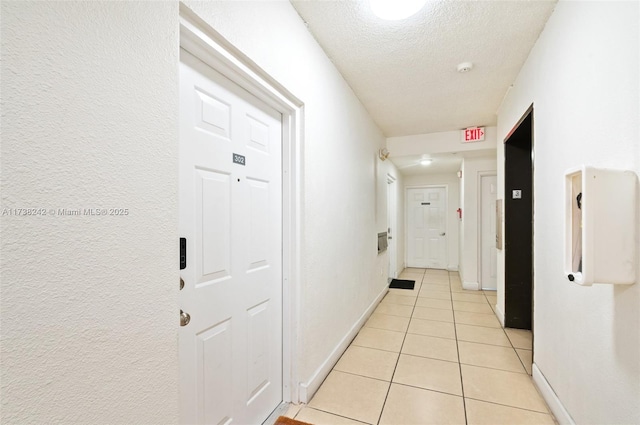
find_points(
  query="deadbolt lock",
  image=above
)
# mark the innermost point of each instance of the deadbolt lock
(181, 284)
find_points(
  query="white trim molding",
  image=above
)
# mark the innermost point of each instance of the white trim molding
(557, 408)
(200, 39)
(499, 315)
(308, 389)
(471, 286)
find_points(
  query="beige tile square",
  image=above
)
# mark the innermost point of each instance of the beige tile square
(433, 314)
(433, 328)
(520, 338)
(368, 362)
(415, 406)
(317, 417)
(472, 307)
(437, 295)
(504, 358)
(502, 387)
(492, 297)
(394, 309)
(406, 292)
(477, 319)
(352, 396)
(442, 280)
(430, 374)
(399, 299)
(482, 334)
(482, 413)
(457, 288)
(469, 296)
(432, 287)
(433, 303)
(380, 339)
(436, 271)
(526, 356)
(414, 270)
(432, 347)
(390, 323)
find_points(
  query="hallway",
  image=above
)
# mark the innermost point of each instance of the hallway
(432, 355)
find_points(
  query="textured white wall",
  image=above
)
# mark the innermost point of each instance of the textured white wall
(472, 169)
(89, 120)
(583, 78)
(443, 142)
(452, 182)
(342, 272)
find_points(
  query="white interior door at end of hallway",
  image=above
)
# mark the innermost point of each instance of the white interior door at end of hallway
(231, 216)
(488, 232)
(427, 227)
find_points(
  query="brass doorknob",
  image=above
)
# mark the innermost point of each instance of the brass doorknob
(184, 318)
(181, 284)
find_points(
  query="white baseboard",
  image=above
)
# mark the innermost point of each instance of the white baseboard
(309, 388)
(452, 268)
(499, 315)
(557, 408)
(471, 286)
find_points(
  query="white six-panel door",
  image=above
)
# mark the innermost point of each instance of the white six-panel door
(488, 252)
(427, 227)
(231, 215)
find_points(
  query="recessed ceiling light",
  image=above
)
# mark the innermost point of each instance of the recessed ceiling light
(393, 10)
(425, 162)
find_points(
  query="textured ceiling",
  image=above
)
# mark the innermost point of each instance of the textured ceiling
(404, 72)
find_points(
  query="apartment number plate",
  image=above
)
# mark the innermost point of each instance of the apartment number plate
(239, 159)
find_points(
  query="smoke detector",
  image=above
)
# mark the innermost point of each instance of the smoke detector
(465, 67)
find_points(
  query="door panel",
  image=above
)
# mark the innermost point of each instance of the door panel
(488, 232)
(231, 216)
(426, 228)
(518, 226)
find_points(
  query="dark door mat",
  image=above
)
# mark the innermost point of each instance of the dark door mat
(402, 284)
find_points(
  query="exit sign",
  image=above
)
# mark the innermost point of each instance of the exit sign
(473, 134)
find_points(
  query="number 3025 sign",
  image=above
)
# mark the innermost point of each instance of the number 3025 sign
(238, 159)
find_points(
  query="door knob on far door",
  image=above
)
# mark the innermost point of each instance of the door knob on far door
(185, 318)
(443, 233)
(181, 284)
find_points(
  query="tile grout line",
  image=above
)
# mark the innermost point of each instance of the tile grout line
(399, 353)
(455, 330)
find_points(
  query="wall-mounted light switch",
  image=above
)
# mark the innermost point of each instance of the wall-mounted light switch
(516, 194)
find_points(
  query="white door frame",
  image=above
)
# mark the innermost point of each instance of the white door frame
(481, 174)
(199, 39)
(392, 219)
(406, 217)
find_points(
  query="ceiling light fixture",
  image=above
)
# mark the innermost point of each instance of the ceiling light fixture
(393, 10)
(425, 162)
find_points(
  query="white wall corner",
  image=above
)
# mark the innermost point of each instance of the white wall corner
(499, 315)
(452, 268)
(471, 286)
(309, 388)
(557, 408)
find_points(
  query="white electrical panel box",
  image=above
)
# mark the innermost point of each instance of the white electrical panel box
(601, 229)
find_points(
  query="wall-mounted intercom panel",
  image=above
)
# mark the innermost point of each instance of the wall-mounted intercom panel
(601, 229)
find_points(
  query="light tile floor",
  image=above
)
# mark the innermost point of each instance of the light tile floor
(432, 355)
